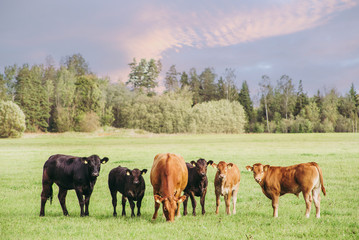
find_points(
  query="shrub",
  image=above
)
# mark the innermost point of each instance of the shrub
(12, 120)
(89, 122)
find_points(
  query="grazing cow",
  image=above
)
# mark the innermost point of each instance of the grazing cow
(69, 172)
(276, 181)
(130, 184)
(169, 178)
(226, 183)
(197, 184)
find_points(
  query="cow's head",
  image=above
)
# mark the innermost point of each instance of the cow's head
(222, 168)
(259, 171)
(135, 175)
(94, 164)
(169, 205)
(201, 166)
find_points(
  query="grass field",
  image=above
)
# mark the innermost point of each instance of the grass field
(21, 162)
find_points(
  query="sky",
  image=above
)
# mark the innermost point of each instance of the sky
(314, 41)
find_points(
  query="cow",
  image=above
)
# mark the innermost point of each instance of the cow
(130, 184)
(69, 172)
(197, 184)
(277, 181)
(226, 183)
(169, 176)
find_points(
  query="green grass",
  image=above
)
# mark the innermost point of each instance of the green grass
(21, 162)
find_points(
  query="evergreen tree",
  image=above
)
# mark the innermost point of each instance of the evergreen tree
(208, 87)
(171, 81)
(195, 86)
(184, 80)
(302, 99)
(77, 64)
(246, 102)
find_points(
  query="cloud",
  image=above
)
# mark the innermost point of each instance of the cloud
(154, 30)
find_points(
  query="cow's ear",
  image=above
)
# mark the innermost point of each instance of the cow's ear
(193, 163)
(158, 198)
(249, 168)
(266, 167)
(84, 160)
(229, 165)
(143, 172)
(214, 165)
(128, 172)
(210, 162)
(181, 199)
(104, 160)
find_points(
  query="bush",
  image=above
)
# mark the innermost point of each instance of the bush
(89, 122)
(12, 120)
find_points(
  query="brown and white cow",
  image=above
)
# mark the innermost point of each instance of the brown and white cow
(277, 181)
(226, 183)
(169, 176)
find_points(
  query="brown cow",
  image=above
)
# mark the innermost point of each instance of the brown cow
(169, 176)
(276, 181)
(226, 183)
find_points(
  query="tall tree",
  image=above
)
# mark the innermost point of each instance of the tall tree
(171, 81)
(184, 81)
(302, 99)
(245, 100)
(195, 86)
(230, 85)
(208, 86)
(31, 96)
(286, 89)
(143, 76)
(265, 89)
(10, 74)
(77, 64)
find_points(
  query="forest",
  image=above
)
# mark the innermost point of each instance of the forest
(72, 98)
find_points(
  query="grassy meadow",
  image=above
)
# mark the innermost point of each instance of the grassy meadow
(21, 162)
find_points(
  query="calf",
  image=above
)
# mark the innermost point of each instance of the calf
(130, 184)
(197, 184)
(69, 172)
(169, 176)
(226, 183)
(276, 181)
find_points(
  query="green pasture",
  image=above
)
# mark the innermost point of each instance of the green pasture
(21, 162)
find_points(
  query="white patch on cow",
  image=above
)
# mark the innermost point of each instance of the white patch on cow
(225, 190)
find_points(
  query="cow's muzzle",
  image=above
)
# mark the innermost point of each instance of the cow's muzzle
(258, 180)
(95, 174)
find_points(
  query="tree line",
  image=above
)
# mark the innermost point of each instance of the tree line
(72, 98)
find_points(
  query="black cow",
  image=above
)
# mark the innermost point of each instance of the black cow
(130, 184)
(69, 172)
(197, 184)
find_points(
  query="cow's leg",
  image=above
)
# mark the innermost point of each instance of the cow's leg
(194, 203)
(234, 199)
(62, 200)
(218, 201)
(114, 202)
(45, 194)
(275, 203)
(203, 198)
(123, 205)
(185, 205)
(316, 198)
(157, 206)
(139, 202)
(308, 202)
(87, 203)
(227, 200)
(132, 206)
(79, 194)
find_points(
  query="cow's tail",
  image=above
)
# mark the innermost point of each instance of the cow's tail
(320, 177)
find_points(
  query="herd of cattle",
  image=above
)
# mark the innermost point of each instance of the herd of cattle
(170, 176)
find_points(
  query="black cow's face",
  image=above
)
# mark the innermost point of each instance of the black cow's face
(135, 175)
(201, 166)
(94, 164)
